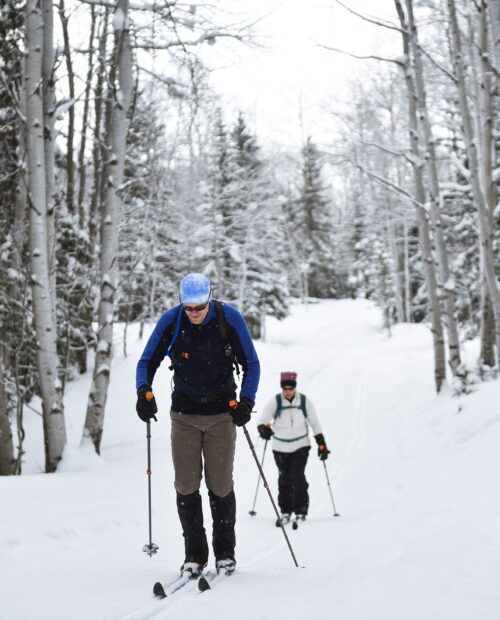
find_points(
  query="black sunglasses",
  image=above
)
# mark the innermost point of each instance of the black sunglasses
(195, 308)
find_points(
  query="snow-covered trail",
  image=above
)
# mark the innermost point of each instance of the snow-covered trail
(415, 483)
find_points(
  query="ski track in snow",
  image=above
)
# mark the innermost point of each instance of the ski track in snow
(414, 482)
(358, 426)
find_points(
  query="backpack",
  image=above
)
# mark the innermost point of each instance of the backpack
(221, 319)
(279, 406)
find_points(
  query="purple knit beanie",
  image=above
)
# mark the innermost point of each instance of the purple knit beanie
(288, 379)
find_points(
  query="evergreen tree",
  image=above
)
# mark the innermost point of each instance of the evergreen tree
(257, 233)
(315, 228)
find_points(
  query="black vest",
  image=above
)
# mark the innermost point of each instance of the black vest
(203, 373)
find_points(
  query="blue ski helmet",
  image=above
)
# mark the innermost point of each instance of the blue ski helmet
(195, 289)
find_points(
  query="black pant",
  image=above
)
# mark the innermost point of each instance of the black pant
(195, 539)
(292, 483)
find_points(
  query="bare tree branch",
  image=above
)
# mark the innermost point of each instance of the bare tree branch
(388, 184)
(207, 37)
(372, 20)
(175, 88)
(133, 6)
(383, 24)
(370, 57)
(437, 64)
(386, 149)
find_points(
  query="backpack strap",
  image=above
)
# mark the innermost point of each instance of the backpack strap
(279, 406)
(224, 334)
(170, 349)
(176, 332)
(303, 405)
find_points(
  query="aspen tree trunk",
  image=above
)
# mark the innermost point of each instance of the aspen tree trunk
(424, 231)
(405, 278)
(393, 243)
(49, 104)
(6, 444)
(85, 116)
(406, 254)
(494, 6)
(98, 150)
(120, 95)
(43, 313)
(485, 230)
(487, 146)
(19, 228)
(70, 165)
(435, 200)
(476, 101)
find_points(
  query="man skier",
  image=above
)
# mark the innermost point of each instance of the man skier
(203, 339)
(287, 417)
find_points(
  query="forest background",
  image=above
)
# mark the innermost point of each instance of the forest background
(123, 166)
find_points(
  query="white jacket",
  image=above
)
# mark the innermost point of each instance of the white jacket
(291, 427)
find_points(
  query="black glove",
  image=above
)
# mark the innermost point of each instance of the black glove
(323, 451)
(241, 411)
(266, 432)
(146, 403)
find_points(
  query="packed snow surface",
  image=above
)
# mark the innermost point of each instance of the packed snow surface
(415, 477)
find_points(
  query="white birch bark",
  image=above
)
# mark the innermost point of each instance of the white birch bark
(392, 240)
(487, 147)
(435, 201)
(494, 7)
(120, 80)
(471, 140)
(49, 104)
(53, 417)
(423, 223)
(85, 122)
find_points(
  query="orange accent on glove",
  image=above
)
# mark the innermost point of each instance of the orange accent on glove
(149, 395)
(233, 404)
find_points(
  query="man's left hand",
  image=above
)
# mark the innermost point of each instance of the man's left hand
(241, 411)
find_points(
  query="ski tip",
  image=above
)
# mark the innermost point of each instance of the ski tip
(203, 584)
(252, 513)
(336, 514)
(159, 590)
(295, 525)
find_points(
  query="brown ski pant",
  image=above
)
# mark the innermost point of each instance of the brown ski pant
(203, 442)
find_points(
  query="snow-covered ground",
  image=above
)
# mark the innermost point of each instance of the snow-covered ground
(415, 477)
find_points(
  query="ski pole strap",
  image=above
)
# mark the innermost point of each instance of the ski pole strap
(176, 332)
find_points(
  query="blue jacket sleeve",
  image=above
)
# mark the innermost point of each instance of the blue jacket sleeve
(245, 352)
(155, 349)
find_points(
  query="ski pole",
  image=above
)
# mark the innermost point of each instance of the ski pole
(151, 548)
(252, 512)
(269, 493)
(335, 513)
